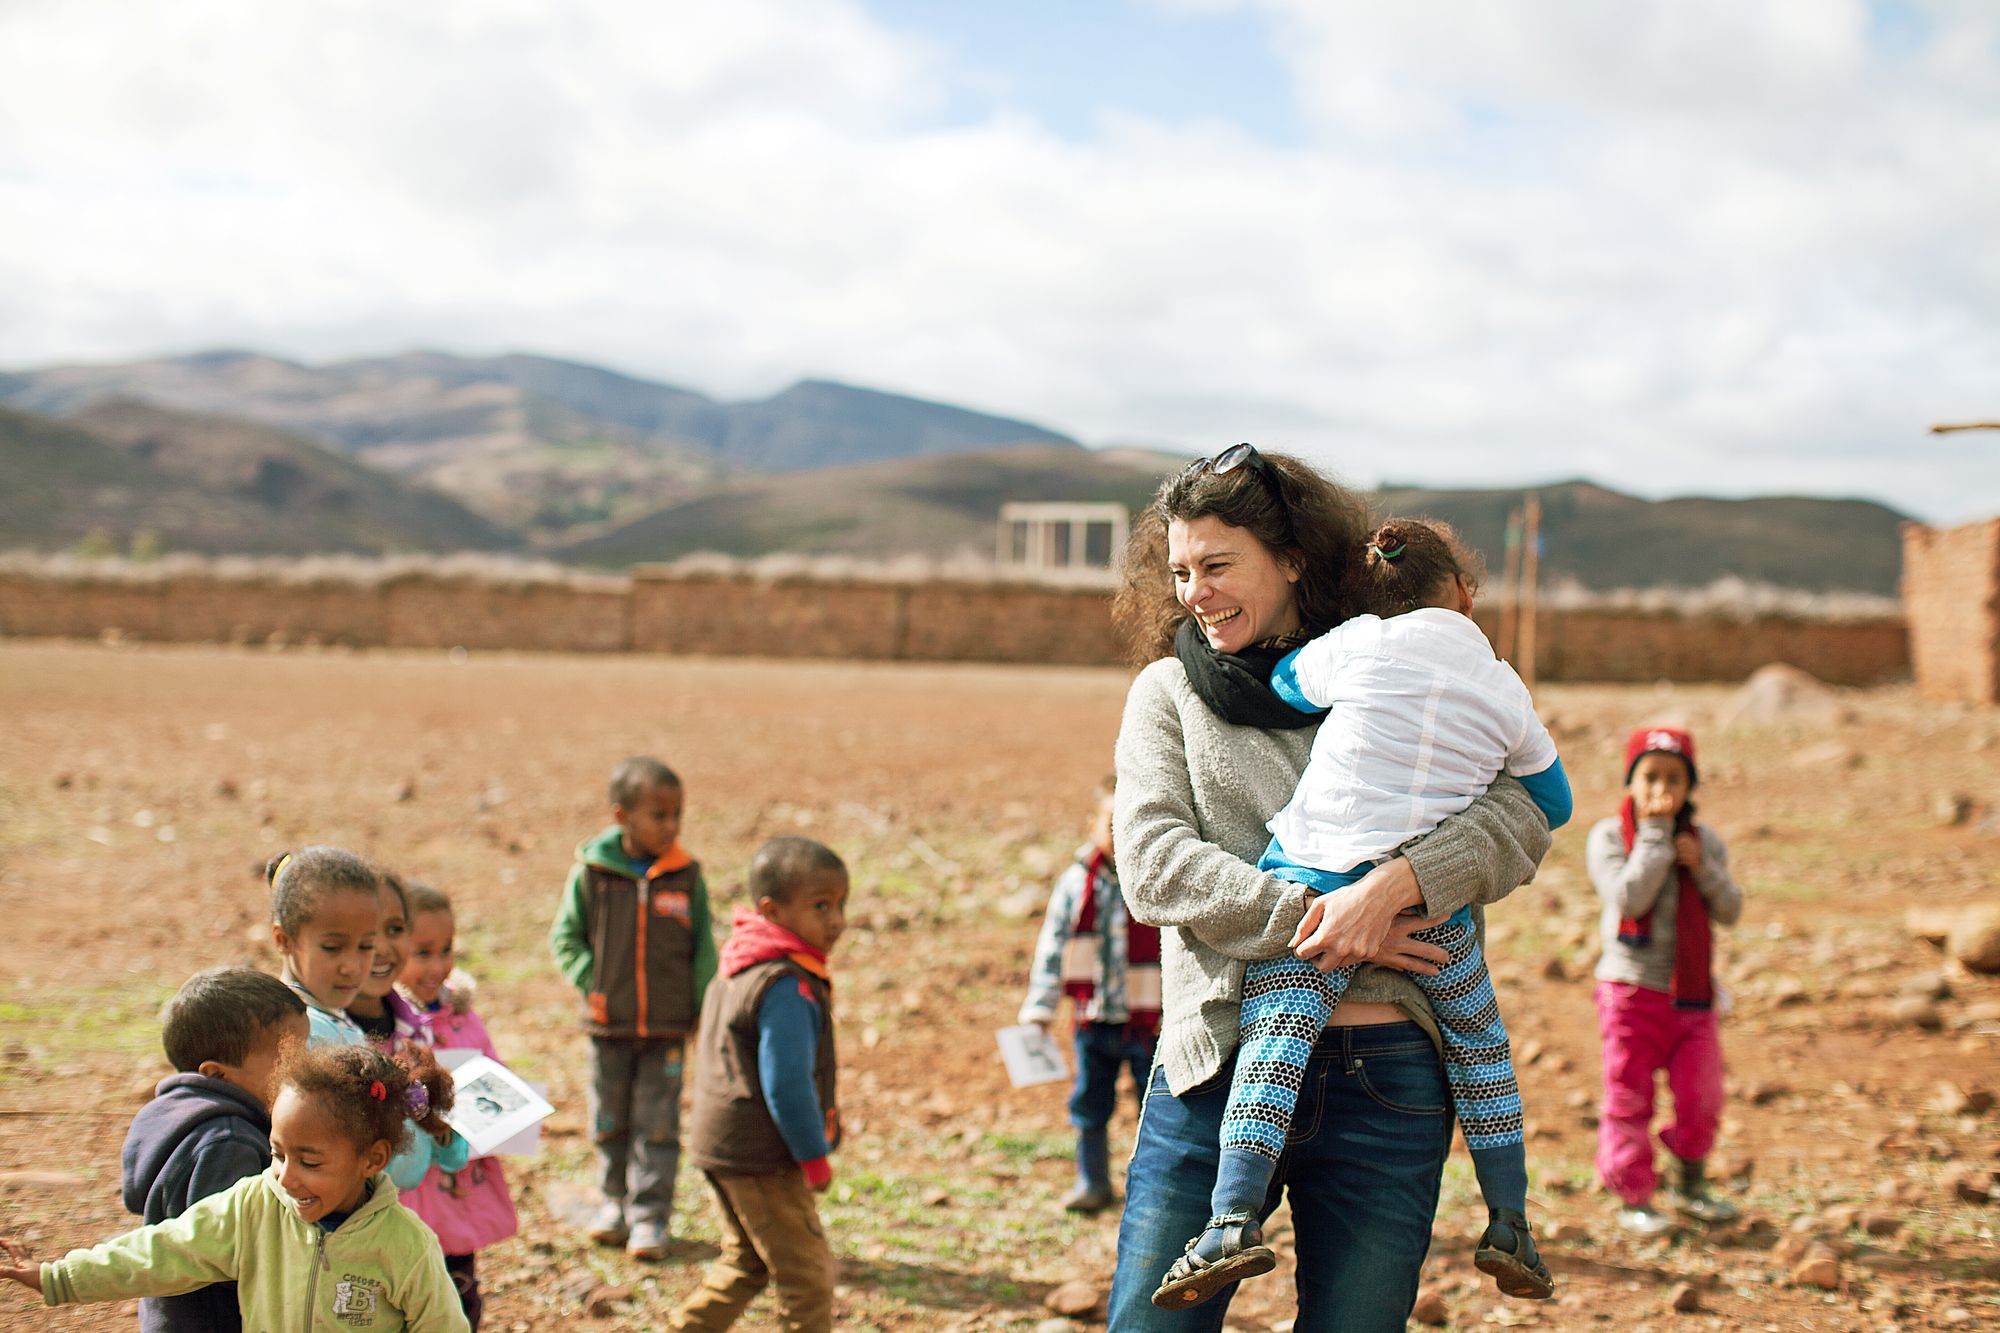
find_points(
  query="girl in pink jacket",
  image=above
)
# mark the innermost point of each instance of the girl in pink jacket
(469, 1209)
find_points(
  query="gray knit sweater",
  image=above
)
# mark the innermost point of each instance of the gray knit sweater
(1194, 793)
(1643, 880)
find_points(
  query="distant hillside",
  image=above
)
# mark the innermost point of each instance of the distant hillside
(939, 505)
(589, 464)
(545, 446)
(213, 486)
(948, 505)
(1603, 539)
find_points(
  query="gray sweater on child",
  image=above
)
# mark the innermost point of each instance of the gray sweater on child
(1631, 884)
(1194, 793)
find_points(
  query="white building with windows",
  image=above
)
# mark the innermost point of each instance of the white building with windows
(1053, 536)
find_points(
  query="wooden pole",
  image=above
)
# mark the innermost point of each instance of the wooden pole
(1531, 540)
(1509, 590)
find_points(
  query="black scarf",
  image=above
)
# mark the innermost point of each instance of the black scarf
(1237, 686)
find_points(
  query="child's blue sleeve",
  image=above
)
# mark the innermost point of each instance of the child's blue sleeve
(1549, 789)
(409, 1166)
(1285, 683)
(787, 1049)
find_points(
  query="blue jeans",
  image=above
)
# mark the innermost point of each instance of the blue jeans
(1362, 1163)
(1101, 1050)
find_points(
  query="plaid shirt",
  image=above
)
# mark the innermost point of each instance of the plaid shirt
(1093, 967)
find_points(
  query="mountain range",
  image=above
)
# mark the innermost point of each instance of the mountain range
(546, 447)
(233, 451)
(213, 485)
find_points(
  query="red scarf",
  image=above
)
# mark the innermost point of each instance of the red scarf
(755, 939)
(1693, 985)
(1142, 942)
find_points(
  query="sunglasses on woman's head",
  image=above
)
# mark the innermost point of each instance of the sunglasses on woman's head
(1224, 463)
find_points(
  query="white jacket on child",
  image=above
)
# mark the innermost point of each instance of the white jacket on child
(1423, 717)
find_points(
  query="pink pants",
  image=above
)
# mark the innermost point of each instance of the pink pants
(1643, 1033)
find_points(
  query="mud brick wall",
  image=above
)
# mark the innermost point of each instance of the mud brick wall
(208, 610)
(968, 622)
(1951, 595)
(421, 611)
(82, 608)
(936, 621)
(729, 614)
(1614, 645)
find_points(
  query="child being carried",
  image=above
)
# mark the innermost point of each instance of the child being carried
(1422, 717)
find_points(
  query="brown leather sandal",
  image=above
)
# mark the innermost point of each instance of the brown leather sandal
(1193, 1279)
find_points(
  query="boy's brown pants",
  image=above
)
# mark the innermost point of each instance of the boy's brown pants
(770, 1236)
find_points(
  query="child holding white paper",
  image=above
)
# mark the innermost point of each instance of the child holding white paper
(469, 1208)
(1109, 965)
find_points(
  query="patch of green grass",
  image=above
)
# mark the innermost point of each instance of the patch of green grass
(57, 1029)
(1461, 1187)
(1025, 1149)
(1792, 890)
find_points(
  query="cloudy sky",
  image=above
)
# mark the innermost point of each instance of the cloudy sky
(1719, 246)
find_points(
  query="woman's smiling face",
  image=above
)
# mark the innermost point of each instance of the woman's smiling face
(1239, 592)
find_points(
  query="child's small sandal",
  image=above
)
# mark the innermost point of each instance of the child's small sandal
(1519, 1270)
(1193, 1279)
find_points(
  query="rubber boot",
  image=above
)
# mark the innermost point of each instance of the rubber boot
(1693, 1200)
(1093, 1173)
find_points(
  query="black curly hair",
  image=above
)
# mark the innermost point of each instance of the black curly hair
(343, 1082)
(1305, 519)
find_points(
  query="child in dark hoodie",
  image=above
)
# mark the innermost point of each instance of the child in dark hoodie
(209, 1125)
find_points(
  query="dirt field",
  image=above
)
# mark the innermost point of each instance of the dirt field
(141, 790)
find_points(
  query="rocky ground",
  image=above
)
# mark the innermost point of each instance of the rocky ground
(140, 790)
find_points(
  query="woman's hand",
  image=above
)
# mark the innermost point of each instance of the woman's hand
(1411, 955)
(1352, 925)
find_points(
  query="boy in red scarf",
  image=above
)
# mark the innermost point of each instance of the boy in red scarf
(765, 1114)
(1091, 950)
(1665, 883)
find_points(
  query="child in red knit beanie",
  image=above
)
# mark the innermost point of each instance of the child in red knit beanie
(1665, 883)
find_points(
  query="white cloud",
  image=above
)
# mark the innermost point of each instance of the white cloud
(1701, 245)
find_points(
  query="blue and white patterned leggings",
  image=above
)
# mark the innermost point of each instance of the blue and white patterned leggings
(1286, 1004)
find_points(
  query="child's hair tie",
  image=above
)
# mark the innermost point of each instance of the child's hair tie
(379, 1090)
(417, 1098)
(1381, 554)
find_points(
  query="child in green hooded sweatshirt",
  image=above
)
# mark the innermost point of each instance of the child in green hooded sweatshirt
(317, 1240)
(632, 935)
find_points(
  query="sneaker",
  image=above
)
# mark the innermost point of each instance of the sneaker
(1087, 1198)
(1645, 1220)
(608, 1226)
(1507, 1254)
(649, 1240)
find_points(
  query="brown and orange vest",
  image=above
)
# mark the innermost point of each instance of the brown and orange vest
(731, 1131)
(643, 980)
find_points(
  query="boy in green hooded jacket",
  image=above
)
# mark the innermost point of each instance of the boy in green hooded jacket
(632, 935)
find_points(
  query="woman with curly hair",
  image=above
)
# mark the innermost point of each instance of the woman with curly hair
(1238, 560)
